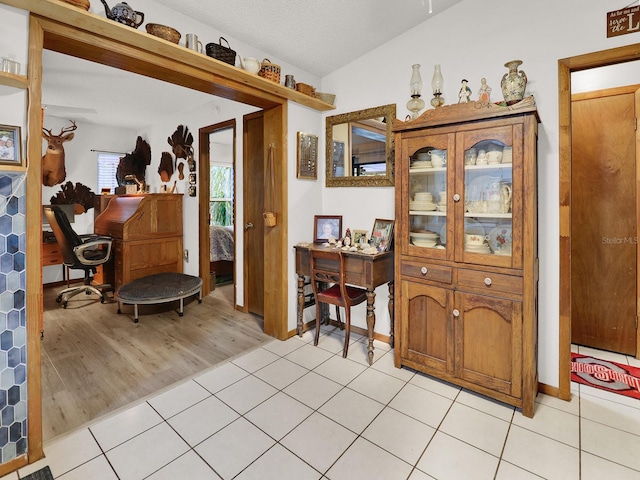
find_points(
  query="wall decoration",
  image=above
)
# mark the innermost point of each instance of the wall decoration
(307, 156)
(53, 169)
(359, 237)
(10, 145)
(192, 178)
(166, 167)
(77, 194)
(134, 163)
(192, 190)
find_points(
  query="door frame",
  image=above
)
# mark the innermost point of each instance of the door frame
(135, 53)
(566, 66)
(204, 168)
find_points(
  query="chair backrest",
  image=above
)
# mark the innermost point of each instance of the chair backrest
(327, 266)
(66, 237)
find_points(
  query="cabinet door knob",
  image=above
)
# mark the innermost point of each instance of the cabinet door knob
(487, 282)
(424, 270)
(456, 312)
(456, 197)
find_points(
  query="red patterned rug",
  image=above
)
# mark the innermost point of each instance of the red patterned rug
(605, 375)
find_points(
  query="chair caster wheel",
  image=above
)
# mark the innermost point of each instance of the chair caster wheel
(119, 311)
(58, 298)
(101, 299)
(64, 304)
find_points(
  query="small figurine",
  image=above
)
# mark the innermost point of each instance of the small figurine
(484, 94)
(465, 92)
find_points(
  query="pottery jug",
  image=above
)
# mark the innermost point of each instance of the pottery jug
(513, 83)
(250, 64)
(505, 197)
(123, 13)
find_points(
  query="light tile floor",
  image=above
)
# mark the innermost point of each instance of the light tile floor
(289, 410)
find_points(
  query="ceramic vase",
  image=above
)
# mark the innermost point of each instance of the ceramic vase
(513, 83)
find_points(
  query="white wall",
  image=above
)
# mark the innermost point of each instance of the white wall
(473, 40)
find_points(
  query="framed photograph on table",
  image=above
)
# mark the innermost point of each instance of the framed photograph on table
(10, 145)
(382, 234)
(359, 237)
(326, 227)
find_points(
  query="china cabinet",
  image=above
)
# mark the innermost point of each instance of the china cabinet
(466, 248)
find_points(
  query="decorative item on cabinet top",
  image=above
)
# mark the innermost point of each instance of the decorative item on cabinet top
(123, 13)
(461, 112)
(165, 32)
(220, 52)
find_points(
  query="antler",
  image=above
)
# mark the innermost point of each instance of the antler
(67, 129)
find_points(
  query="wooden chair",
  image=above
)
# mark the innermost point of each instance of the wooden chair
(327, 268)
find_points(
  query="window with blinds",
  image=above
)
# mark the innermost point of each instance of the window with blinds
(107, 166)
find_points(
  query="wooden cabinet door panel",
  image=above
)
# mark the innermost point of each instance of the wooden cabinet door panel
(489, 342)
(427, 332)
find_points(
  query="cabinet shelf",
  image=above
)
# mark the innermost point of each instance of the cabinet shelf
(11, 80)
(488, 215)
(489, 166)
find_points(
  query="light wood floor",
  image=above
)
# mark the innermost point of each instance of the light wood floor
(95, 361)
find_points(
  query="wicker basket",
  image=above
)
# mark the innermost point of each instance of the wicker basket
(162, 31)
(270, 71)
(220, 52)
(306, 89)
(329, 98)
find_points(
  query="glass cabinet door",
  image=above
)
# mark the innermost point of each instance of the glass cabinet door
(427, 196)
(489, 194)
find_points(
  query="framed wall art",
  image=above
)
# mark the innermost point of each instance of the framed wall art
(307, 156)
(326, 227)
(10, 145)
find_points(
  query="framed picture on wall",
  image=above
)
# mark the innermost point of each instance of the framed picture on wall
(382, 234)
(10, 145)
(326, 227)
(307, 156)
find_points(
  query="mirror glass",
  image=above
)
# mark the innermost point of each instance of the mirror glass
(360, 148)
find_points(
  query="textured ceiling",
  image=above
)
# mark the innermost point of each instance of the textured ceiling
(318, 36)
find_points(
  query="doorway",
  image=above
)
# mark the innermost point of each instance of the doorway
(221, 137)
(565, 68)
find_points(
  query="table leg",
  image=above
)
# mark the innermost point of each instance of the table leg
(391, 318)
(371, 322)
(300, 304)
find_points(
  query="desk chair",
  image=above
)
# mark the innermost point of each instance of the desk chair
(82, 252)
(327, 268)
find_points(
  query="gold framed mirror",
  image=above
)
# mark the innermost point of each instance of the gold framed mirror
(360, 148)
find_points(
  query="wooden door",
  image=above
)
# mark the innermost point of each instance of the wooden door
(253, 183)
(604, 220)
(488, 334)
(426, 326)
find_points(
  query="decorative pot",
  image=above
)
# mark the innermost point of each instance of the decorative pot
(513, 83)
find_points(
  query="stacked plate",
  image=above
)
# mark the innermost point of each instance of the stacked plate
(484, 248)
(424, 238)
(422, 201)
(421, 164)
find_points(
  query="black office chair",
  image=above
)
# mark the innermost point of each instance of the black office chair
(82, 252)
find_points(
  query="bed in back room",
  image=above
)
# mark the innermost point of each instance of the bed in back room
(221, 254)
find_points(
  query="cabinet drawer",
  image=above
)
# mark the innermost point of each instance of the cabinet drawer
(426, 271)
(51, 254)
(489, 281)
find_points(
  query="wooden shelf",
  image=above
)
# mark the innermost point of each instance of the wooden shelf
(66, 23)
(17, 81)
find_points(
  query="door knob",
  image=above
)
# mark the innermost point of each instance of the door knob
(248, 226)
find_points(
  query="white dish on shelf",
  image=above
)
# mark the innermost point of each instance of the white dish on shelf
(442, 208)
(501, 240)
(477, 248)
(424, 206)
(427, 235)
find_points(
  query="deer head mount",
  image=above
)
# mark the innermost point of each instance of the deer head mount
(53, 170)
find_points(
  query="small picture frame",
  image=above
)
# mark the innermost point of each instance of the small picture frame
(326, 227)
(307, 156)
(192, 179)
(359, 237)
(192, 190)
(382, 234)
(10, 145)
